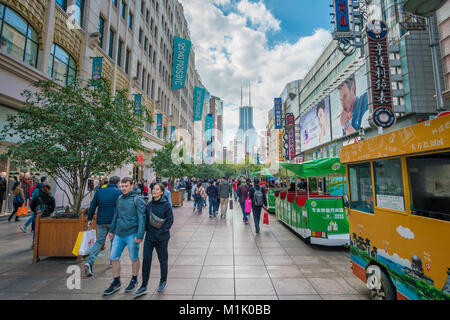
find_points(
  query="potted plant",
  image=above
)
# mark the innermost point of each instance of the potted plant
(70, 133)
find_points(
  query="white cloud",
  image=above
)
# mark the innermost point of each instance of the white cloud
(405, 232)
(259, 15)
(229, 53)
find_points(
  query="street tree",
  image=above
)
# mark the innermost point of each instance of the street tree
(72, 132)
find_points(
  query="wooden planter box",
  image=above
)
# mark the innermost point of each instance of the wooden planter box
(177, 198)
(56, 237)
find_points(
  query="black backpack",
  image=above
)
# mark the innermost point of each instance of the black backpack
(258, 198)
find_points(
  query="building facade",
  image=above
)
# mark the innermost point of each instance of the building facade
(43, 39)
(336, 83)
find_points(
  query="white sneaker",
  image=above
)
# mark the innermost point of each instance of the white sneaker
(23, 229)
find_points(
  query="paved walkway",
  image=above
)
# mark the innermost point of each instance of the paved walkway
(208, 259)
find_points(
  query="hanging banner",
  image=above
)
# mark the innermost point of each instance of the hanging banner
(159, 118)
(209, 127)
(278, 111)
(97, 64)
(172, 133)
(380, 75)
(199, 98)
(181, 51)
(138, 104)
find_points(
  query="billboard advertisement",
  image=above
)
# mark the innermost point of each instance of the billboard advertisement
(315, 125)
(350, 105)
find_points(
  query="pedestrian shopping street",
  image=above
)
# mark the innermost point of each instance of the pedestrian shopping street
(209, 258)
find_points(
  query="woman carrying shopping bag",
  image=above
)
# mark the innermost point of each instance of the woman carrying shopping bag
(159, 220)
(18, 200)
(200, 195)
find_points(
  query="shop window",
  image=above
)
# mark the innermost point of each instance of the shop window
(361, 196)
(389, 184)
(61, 67)
(18, 38)
(429, 177)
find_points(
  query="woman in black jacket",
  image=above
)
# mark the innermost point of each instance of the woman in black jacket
(157, 237)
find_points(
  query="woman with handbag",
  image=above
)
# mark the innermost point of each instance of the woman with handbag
(18, 199)
(159, 221)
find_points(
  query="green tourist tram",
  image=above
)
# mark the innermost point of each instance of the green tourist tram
(317, 213)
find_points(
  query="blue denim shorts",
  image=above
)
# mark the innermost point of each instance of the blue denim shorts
(119, 244)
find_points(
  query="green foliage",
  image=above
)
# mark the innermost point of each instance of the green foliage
(72, 132)
(163, 165)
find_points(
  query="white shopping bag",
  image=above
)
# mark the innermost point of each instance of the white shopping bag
(87, 242)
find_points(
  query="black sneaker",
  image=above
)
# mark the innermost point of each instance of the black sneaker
(133, 284)
(88, 269)
(141, 291)
(162, 286)
(115, 286)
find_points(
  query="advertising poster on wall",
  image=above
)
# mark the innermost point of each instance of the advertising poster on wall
(315, 125)
(350, 105)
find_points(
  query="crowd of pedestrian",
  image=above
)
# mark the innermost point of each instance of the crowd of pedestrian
(133, 212)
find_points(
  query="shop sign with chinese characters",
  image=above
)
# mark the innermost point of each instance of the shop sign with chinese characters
(380, 74)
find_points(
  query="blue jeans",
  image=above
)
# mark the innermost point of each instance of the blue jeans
(243, 211)
(198, 203)
(235, 195)
(119, 244)
(29, 220)
(102, 232)
(212, 205)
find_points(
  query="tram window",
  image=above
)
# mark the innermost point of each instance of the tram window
(389, 184)
(361, 196)
(429, 177)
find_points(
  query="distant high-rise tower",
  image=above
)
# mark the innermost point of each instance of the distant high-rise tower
(246, 131)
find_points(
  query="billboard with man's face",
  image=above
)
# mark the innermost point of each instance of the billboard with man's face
(315, 125)
(350, 105)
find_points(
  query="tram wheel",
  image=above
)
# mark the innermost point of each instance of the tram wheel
(387, 291)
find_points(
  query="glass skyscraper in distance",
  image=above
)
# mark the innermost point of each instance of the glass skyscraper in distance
(246, 132)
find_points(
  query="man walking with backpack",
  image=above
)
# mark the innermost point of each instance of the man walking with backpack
(35, 193)
(259, 199)
(127, 230)
(225, 192)
(105, 200)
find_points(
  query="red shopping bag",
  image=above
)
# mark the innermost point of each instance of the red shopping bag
(266, 218)
(231, 204)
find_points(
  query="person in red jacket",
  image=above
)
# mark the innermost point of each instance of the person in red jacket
(235, 188)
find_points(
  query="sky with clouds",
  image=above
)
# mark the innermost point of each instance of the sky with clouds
(265, 43)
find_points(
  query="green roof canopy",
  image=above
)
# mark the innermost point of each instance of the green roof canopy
(314, 168)
(263, 173)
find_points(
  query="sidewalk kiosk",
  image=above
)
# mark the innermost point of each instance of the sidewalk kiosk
(399, 211)
(316, 215)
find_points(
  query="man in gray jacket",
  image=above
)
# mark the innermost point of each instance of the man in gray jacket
(225, 192)
(127, 229)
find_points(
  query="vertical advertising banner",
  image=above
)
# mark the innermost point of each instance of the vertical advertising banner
(290, 129)
(342, 16)
(159, 118)
(172, 133)
(315, 125)
(97, 63)
(380, 75)
(138, 104)
(181, 51)
(350, 105)
(278, 113)
(199, 98)
(280, 146)
(208, 127)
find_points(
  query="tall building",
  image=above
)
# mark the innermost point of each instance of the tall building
(135, 40)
